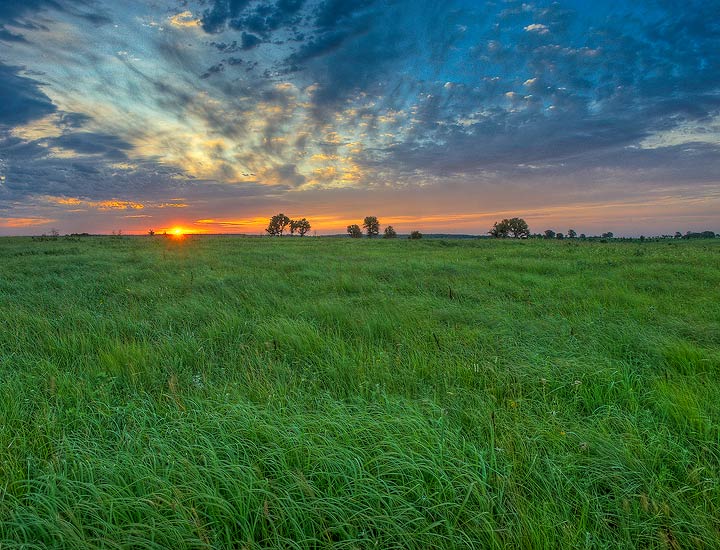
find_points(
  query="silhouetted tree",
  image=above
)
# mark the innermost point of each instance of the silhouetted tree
(151, 232)
(372, 226)
(293, 226)
(518, 228)
(500, 230)
(582, 236)
(354, 231)
(277, 224)
(302, 226)
(559, 236)
(608, 235)
(571, 234)
(699, 235)
(389, 232)
(513, 227)
(415, 235)
(549, 234)
(678, 235)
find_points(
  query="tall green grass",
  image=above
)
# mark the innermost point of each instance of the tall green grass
(331, 393)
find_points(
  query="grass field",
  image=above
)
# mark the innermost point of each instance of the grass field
(219, 392)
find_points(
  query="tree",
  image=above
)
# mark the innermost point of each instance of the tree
(354, 231)
(559, 236)
(518, 228)
(415, 235)
(571, 234)
(582, 236)
(389, 232)
(549, 234)
(372, 226)
(608, 235)
(302, 227)
(293, 226)
(678, 235)
(500, 230)
(277, 224)
(151, 232)
(513, 227)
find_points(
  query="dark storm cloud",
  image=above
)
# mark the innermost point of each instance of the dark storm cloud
(243, 15)
(286, 174)
(18, 12)
(550, 86)
(13, 11)
(22, 99)
(93, 143)
(351, 46)
(33, 170)
(7, 36)
(249, 41)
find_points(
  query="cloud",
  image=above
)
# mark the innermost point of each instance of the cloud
(538, 28)
(110, 147)
(23, 101)
(19, 14)
(260, 19)
(24, 222)
(249, 41)
(184, 19)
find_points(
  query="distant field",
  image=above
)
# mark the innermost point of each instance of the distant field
(338, 393)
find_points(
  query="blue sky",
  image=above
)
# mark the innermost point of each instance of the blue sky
(438, 116)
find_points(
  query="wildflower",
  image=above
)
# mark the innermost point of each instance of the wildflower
(543, 381)
(577, 383)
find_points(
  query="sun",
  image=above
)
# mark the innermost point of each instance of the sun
(177, 232)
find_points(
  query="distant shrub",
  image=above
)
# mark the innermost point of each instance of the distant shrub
(390, 232)
(700, 235)
(415, 235)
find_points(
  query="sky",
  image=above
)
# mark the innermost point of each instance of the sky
(438, 116)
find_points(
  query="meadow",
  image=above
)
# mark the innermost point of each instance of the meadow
(229, 392)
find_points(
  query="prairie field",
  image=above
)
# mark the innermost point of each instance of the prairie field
(230, 392)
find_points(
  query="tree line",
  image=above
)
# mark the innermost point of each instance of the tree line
(517, 228)
(280, 222)
(372, 229)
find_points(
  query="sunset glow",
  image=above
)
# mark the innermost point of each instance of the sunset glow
(430, 116)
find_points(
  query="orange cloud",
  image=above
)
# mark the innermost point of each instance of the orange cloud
(184, 19)
(24, 222)
(254, 223)
(113, 204)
